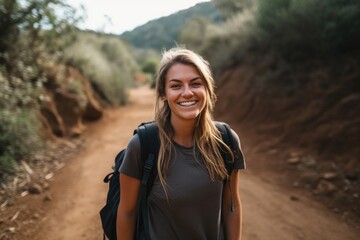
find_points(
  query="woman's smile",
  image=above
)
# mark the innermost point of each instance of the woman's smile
(187, 103)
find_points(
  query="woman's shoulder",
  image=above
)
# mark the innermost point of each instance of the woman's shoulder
(134, 143)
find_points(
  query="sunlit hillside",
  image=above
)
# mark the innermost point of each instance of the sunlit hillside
(164, 32)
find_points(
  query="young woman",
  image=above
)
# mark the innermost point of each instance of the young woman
(193, 197)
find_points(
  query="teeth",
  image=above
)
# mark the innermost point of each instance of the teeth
(187, 103)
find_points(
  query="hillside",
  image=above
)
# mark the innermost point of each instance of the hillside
(310, 130)
(163, 32)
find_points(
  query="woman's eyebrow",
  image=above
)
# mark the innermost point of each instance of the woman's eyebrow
(177, 80)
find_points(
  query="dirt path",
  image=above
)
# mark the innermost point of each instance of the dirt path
(78, 192)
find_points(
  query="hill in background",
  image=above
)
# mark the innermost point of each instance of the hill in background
(164, 32)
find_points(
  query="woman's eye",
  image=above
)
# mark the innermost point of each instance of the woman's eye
(176, 86)
(196, 84)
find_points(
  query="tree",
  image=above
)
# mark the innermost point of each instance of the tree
(193, 34)
(40, 21)
(228, 8)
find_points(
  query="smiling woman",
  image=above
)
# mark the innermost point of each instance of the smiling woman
(196, 194)
(115, 16)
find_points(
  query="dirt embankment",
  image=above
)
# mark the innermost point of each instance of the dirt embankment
(307, 122)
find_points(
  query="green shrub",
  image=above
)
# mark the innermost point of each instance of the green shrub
(300, 28)
(149, 67)
(229, 42)
(19, 125)
(19, 137)
(107, 62)
(8, 165)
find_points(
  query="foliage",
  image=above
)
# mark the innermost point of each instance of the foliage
(149, 67)
(19, 137)
(107, 61)
(41, 21)
(229, 8)
(199, 25)
(289, 30)
(31, 34)
(143, 56)
(300, 28)
(164, 32)
(228, 43)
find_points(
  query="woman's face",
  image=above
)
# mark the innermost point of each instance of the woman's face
(185, 92)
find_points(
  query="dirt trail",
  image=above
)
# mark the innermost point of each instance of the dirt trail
(78, 192)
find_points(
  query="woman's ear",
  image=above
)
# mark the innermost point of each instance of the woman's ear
(164, 98)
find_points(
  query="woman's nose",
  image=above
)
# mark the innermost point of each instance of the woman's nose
(187, 92)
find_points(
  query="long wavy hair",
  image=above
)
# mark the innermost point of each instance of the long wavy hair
(207, 139)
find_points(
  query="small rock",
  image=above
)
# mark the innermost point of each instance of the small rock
(59, 166)
(293, 160)
(24, 193)
(355, 195)
(296, 184)
(36, 216)
(294, 155)
(309, 161)
(45, 185)
(294, 198)
(12, 229)
(330, 176)
(35, 189)
(47, 198)
(325, 187)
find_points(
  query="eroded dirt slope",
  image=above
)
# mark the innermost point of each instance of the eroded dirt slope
(306, 118)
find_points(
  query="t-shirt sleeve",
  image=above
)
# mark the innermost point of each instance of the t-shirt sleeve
(131, 165)
(239, 156)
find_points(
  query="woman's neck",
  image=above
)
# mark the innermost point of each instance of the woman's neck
(183, 132)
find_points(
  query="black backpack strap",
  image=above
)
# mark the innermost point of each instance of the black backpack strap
(226, 135)
(150, 144)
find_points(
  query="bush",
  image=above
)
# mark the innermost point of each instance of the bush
(300, 28)
(19, 125)
(19, 137)
(229, 42)
(107, 62)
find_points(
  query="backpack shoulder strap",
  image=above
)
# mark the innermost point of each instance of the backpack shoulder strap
(225, 132)
(149, 138)
(150, 144)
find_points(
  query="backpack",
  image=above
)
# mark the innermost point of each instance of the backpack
(150, 144)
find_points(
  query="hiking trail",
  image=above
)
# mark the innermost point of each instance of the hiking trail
(78, 192)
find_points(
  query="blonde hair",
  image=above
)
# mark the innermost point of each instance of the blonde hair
(207, 139)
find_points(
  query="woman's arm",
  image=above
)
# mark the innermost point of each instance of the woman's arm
(232, 220)
(126, 214)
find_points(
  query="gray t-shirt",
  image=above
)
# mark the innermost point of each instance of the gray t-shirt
(193, 208)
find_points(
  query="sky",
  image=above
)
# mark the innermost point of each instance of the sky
(116, 16)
